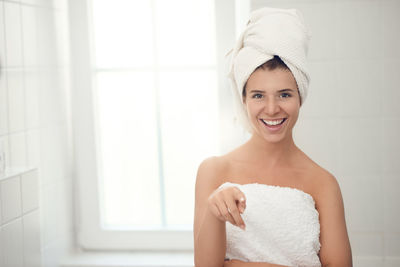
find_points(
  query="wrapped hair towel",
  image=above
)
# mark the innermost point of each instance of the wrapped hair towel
(269, 32)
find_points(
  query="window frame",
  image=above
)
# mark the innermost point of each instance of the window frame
(90, 235)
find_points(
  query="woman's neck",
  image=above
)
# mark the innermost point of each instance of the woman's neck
(271, 154)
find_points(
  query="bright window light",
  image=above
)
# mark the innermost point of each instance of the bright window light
(122, 33)
(156, 106)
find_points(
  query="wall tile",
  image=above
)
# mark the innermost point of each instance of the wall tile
(3, 102)
(391, 145)
(358, 92)
(392, 244)
(323, 98)
(391, 22)
(2, 38)
(40, 3)
(390, 88)
(12, 13)
(366, 243)
(29, 33)
(391, 199)
(51, 98)
(1, 247)
(11, 198)
(13, 251)
(6, 147)
(320, 18)
(32, 257)
(30, 191)
(16, 101)
(52, 254)
(1, 207)
(62, 40)
(18, 149)
(367, 261)
(31, 99)
(32, 2)
(54, 163)
(46, 37)
(49, 215)
(360, 146)
(363, 202)
(354, 39)
(33, 147)
(392, 262)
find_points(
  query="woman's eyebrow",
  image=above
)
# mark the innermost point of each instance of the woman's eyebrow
(257, 91)
(282, 90)
(286, 89)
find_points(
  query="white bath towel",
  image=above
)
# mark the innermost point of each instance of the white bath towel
(269, 32)
(282, 227)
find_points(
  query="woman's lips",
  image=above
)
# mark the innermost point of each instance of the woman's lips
(274, 128)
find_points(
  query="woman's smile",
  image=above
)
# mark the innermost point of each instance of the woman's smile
(274, 125)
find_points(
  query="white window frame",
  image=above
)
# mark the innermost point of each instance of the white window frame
(90, 235)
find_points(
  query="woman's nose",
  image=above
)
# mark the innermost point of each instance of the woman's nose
(271, 106)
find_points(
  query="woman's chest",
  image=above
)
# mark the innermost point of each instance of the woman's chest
(245, 173)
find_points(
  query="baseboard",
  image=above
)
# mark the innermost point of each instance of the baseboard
(134, 259)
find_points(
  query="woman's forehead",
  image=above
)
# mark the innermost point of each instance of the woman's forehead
(271, 80)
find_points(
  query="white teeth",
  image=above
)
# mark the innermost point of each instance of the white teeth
(273, 122)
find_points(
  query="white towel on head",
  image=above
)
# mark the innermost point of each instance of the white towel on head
(269, 32)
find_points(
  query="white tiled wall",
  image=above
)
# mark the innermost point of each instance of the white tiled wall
(350, 122)
(19, 221)
(34, 130)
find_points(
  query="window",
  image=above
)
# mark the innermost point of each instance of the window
(147, 110)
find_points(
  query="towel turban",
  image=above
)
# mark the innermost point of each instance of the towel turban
(269, 32)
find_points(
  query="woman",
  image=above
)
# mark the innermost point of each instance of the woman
(282, 208)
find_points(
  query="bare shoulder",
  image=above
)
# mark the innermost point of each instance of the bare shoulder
(321, 181)
(210, 171)
(325, 186)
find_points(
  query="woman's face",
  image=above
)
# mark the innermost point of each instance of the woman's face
(272, 96)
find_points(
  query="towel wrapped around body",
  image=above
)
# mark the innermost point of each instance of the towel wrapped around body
(282, 227)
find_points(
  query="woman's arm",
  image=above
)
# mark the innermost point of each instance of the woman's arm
(209, 231)
(335, 246)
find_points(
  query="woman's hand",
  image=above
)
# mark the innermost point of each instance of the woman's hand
(227, 204)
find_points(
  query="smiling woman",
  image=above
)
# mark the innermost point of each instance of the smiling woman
(266, 201)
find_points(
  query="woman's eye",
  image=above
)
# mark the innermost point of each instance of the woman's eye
(285, 95)
(257, 95)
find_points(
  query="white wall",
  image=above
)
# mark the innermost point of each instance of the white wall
(34, 122)
(350, 122)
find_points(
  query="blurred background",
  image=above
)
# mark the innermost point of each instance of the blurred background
(108, 107)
